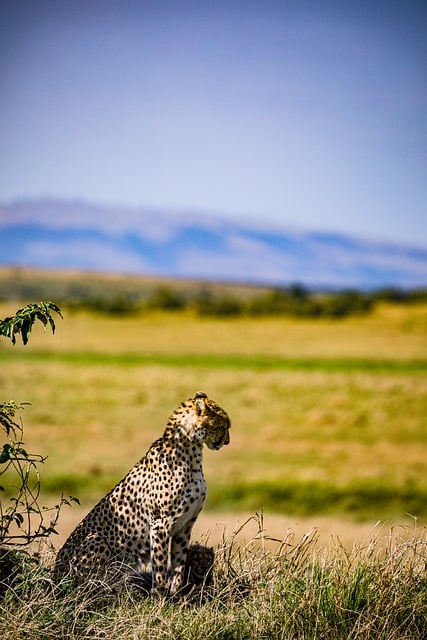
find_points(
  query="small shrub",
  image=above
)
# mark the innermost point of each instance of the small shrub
(22, 518)
(206, 303)
(166, 299)
(346, 303)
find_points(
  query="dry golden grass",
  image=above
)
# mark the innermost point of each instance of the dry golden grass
(94, 416)
(375, 589)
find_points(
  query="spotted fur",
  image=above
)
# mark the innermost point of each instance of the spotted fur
(149, 514)
(199, 566)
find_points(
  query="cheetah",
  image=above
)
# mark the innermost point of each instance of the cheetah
(149, 515)
(199, 566)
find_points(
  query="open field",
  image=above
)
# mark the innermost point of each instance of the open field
(329, 436)
(328, 417)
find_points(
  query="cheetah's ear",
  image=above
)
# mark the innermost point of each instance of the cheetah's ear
(200, 406)
(200, 397)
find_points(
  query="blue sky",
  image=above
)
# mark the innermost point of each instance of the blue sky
(310, 114)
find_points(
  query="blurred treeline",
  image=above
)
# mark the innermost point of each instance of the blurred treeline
(124, 295)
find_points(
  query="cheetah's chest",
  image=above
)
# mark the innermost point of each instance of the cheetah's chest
(191, 502)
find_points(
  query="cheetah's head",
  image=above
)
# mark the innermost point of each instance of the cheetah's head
(212, 424)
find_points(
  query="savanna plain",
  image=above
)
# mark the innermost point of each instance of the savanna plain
(326, 466)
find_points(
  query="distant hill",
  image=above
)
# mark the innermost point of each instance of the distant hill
(63, 234)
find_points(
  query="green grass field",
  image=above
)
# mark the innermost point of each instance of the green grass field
(327, 416)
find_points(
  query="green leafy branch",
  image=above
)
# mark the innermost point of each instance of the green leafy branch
(22, 519)
(22, 322)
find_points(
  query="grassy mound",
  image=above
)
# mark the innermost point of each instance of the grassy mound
(300, 590)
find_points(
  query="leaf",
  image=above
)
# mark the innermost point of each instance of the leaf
(6, 454)
(19, 518)
(55, 307)
(42, 317)
(52, 324)
(26, 329)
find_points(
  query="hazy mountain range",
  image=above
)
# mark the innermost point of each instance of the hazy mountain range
(61, 234)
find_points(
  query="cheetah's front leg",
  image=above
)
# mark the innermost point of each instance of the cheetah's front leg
(179, 549)
(159, 547)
